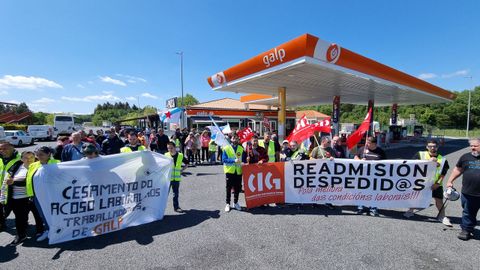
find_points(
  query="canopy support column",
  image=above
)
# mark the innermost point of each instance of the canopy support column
(336, 115)
(394, 114)
(371, 130)
(282, 104)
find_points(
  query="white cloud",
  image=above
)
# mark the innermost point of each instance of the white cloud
(22, 82)
(43, 100)
(132, 79)
(426, 76)
(108, 92)
(148, 95)
(80, 86)
(92, 98)
(463, 72)
(3, 92)
(13, 101)
(107, 79)
(131, 98)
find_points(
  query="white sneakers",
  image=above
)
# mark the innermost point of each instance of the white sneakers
(43, 236)
(236, 206)
(445, 221)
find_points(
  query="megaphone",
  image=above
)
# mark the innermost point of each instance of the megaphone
(451, 194)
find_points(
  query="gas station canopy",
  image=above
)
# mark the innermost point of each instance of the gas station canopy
(313, 71)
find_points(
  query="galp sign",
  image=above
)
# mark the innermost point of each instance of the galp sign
(264, 183)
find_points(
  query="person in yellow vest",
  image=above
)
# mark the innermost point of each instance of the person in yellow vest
(178, 165)
(296, 152)
(437, 188)
(8, 157)
(15, 196)
(44, 156)
(133, 144)
(273, 147)
(212, 149)
(233, 156)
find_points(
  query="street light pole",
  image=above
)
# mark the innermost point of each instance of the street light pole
(181, 82)
(181, 74)
(468, 110)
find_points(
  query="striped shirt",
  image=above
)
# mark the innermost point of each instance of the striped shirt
(20, 192)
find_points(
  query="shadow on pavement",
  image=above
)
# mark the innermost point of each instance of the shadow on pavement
(8, 253)
(143, 234)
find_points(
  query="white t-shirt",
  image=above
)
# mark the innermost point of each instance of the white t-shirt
(20, 175)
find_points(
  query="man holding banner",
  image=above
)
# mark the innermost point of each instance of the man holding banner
(437, 187)
(233, 157)
(179, 161)
(370, 152)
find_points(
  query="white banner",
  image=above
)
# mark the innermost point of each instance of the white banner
(86, 198)
(383, 184)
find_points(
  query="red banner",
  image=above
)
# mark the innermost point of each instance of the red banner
(264, 184)
(245, 134)
(322, 126)
(303, 130)
(360, 132)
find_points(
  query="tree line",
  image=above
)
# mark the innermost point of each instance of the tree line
(443, 115)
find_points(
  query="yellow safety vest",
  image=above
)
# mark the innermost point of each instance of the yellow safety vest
(32, 169)
(177, 142)
(270, 150)
(177, 167)
(295, 154)
(5, 167)
(127, 149)
(211, 146)
(235, 167)
(424, 155)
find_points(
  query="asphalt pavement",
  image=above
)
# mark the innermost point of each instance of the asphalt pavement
(205, 237)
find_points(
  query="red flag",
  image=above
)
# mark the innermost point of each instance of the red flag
(322, 126)
(303, 130)
(356, 136)
(245, 134)
(266, 123)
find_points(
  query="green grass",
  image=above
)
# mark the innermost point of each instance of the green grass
(456, 133)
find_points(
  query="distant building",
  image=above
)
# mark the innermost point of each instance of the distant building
(237, 114)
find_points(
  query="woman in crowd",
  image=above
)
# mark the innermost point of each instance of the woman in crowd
(205, 140)
(44, 156)
(15, 195)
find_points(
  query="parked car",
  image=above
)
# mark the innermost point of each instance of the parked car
(18, 137)
(41, 132)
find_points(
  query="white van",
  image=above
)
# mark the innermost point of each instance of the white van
(41, 132)
(65, 124)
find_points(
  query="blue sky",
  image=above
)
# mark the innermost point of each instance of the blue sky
(68, 56)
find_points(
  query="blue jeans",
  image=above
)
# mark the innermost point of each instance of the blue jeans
(470, 205)
(175, 186)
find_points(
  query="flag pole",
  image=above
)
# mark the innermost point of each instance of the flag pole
(366, 136)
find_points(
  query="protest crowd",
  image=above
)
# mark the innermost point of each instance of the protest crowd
(234, 150)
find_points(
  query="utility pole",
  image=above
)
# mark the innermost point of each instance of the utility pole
(469, 100)
(181, 83)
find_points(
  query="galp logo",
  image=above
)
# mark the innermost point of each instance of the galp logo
(264, 183)
(218, 79)
(333, 53)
